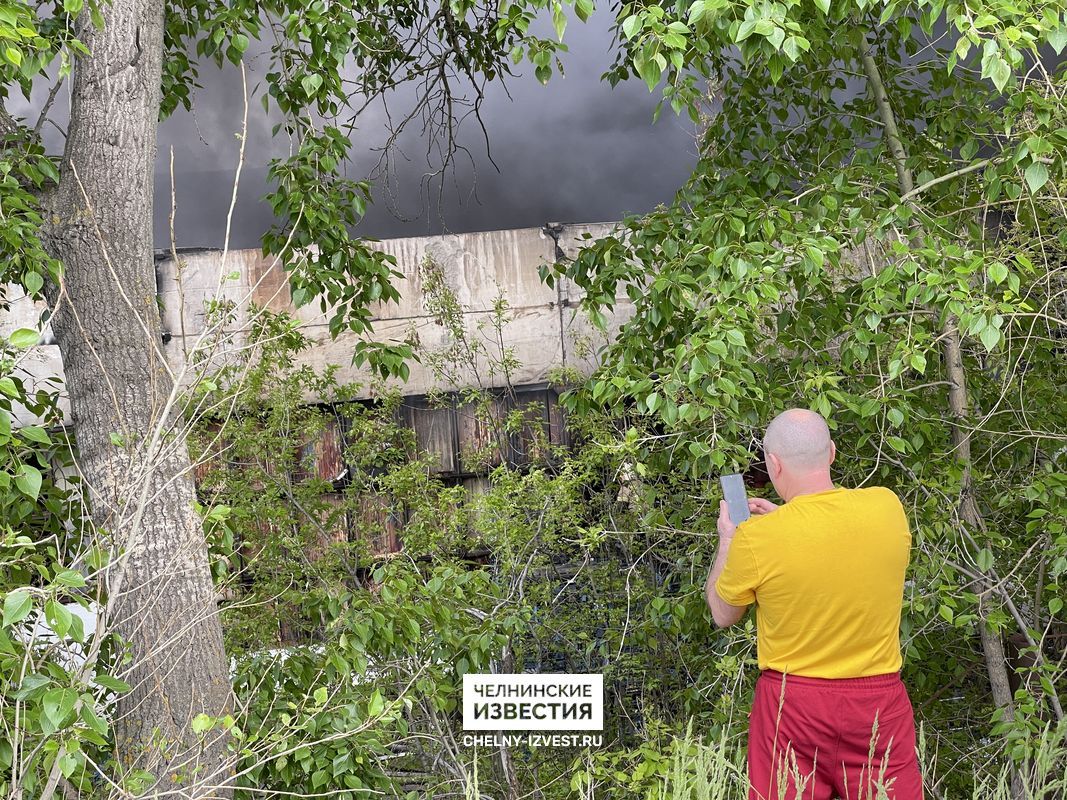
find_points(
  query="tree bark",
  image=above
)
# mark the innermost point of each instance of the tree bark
(131, 451)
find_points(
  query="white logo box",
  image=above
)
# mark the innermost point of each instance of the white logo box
(533, 702)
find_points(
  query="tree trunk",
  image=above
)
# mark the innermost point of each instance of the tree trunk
(132, 453)
(959, 409)
(959, 405)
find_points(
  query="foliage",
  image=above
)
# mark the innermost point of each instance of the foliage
(54, 682)
(867, 195)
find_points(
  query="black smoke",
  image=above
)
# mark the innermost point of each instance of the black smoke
(576, 150)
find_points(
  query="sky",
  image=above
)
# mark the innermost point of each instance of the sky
(575, 150)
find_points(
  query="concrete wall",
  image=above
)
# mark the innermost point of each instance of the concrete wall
(545, 330)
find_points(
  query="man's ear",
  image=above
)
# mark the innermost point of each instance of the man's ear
(774, 465)
(833, 451)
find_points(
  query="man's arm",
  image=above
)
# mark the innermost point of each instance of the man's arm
(724, 614)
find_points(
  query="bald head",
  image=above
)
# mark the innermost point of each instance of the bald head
(800, 439)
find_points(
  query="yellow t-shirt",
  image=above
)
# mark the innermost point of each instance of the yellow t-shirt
(826, 572)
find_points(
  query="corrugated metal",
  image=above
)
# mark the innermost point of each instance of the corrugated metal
(480, 433)
(435, 433)
(321, 454)
(529, 442)
(333, 526)
(452, 432)
(378, 524)
(557, 421)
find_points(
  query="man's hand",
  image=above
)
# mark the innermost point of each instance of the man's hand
(757, 505)
(727, 527)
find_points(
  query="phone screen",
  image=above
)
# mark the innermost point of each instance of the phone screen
(733, 491)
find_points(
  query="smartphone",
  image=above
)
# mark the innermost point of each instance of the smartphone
(733, 491)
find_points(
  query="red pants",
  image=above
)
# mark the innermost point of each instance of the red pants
(823, 738)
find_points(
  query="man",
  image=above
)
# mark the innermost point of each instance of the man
(830, 717)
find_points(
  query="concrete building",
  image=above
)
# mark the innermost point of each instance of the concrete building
(544, 329)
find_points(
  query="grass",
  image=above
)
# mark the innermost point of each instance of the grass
(715, 770)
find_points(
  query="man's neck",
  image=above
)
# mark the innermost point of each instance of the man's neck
(811, 484)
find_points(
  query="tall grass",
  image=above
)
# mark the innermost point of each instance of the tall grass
(715, 770)
(703, 771)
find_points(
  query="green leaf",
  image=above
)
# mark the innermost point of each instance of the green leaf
(320, 696)
(997, 272)
(631, 25)
(559, 20)
(109, 682)
(376, 705)
(28, 480)
(17, 606)
(746, 29)
(824, 6)
(1036, 176)
(30, 686)
(32, 433)
(57, 705)
(984, 559)
(23, 338)
(32, 282)
(311, 83)
(989, 337)
(202, 723)
(69, 762)
(90, 718)
(999, 72)
(1057, 39)
(57, 616)
(77, 629)
(791, 48)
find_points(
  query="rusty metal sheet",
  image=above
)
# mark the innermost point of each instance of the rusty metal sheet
(473, 265)
(320, 455)
(377, 523)
(333, 526)
(269, 283)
